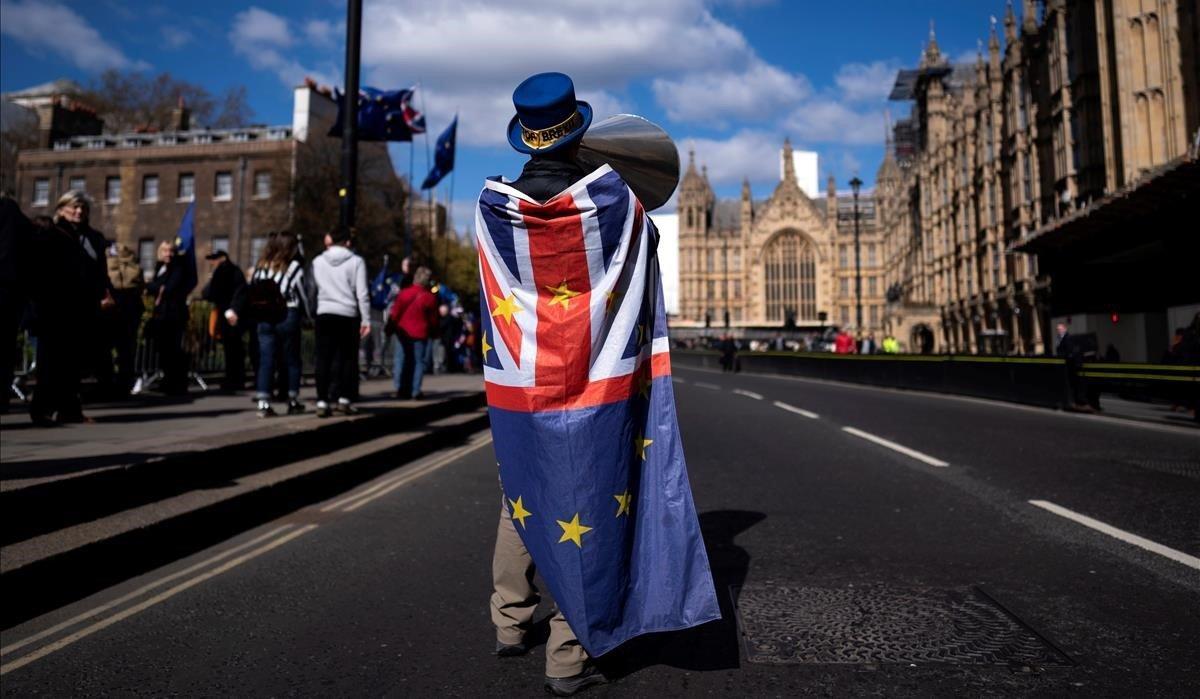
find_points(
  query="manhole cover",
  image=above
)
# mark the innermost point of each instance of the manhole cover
(784, 625)
(1187, 469)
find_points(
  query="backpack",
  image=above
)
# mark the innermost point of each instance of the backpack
(264, 301)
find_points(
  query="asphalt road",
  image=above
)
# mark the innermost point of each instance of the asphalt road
(384, 591)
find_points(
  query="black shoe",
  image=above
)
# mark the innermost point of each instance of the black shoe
(567, 686)
(505, 650)
(346, 408)
(418, 396)
(323, 409)
(265, 409)
(41, 420)
(295, 407)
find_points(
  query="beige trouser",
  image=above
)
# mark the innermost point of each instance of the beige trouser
(514, 598)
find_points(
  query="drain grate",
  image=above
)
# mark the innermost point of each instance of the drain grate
(1187, 469)
(785, 624)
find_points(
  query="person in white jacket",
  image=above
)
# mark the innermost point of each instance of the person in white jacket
(343, 319)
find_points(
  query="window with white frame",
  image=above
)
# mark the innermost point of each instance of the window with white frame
(41, 191)
(262, 185)
(187, 187)
(112, 190)
(220, 242)
(223, 186)
(150, 188)
(147, 256)
(77, 183)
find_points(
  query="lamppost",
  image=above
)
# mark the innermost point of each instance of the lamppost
(349, 190)
(725, 276)
(855, 185)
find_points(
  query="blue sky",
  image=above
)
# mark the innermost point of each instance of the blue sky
(730, 78)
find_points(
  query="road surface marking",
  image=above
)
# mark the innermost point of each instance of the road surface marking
(896, 447)
(676, 379)
(140, 591)
(709, 386)
(160, 597)
(748, 394)
(1178, 556)
(799, 411)
(388, 480)
(411, 476)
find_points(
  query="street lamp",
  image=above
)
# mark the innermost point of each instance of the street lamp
(855, 185)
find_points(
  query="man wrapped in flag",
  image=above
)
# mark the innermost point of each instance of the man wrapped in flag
(576, 364)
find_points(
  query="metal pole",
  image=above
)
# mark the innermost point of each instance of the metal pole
(350, 115)
(857, 269)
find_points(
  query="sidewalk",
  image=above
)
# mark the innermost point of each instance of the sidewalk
(149, 427)
(155, 478)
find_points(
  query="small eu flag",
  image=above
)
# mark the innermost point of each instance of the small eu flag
(185, 245)
(443, 158)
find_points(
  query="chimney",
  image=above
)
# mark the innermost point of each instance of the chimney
(181, 117)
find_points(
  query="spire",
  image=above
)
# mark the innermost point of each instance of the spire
(993, 38)
(831, 187)
(887, 132)
(1010, 24)
(789, 163)
(1028, 16)
(745, 189)
(691, 166)
(932, 54)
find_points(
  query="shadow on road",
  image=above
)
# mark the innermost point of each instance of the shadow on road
(715, 645)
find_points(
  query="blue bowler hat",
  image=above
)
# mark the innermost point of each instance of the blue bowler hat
(548, 115)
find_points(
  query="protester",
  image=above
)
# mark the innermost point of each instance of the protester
(226, 290)
(71, 216)
(890, 344)
(843, 343)
(343, 318)
(728, 353)
(274, 300)
(66, 295)
(1066, 347)
(414, 316)
(169, 289)
(449, 326)
(16, 243)
(128, 286)
(868, 345)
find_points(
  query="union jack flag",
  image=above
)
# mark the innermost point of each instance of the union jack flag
(577, 371)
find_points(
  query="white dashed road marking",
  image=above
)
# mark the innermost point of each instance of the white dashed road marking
(925, 458)
(748, 394)
(709, 386)
(1178, 556)
(799, 411)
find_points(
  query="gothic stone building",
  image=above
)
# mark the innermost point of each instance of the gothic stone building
(784, 262)
(1086, 97)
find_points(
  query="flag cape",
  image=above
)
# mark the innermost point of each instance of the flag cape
(577, 372)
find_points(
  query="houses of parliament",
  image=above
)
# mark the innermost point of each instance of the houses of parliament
(1032, 153)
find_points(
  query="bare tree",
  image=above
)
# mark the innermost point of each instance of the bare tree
(129, 101)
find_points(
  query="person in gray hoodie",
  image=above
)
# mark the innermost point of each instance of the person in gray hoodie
(343, 319)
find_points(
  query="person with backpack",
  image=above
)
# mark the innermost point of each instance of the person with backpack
(273, 300)
(343, 318)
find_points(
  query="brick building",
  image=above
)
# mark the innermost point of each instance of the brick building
(240, 179)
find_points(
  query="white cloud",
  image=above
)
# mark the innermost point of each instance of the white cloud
(263, 38)
(748, 153)
(176, 37)
(56, 28)
(828, 120)
(321, 32)
(757, 93)
(866, 82)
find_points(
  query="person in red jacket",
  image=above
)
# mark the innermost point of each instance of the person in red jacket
(844, 343)
(414, 317)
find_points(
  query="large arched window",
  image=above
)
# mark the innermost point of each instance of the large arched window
(790, 264)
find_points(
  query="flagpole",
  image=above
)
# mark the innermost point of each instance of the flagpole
(348, 193)
(428, 165)
(411, 190)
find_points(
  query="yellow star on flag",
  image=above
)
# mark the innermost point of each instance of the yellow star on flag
(573, 531)
(562, 295)
(644, 384)
(640, 444)
(505, 307)
(623, 501)
(611, 300)
(486, 347)
(519, 512)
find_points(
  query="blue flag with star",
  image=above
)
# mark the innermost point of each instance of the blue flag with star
(443, 158)
(578, 376)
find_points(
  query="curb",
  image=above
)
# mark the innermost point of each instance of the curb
(56, 580)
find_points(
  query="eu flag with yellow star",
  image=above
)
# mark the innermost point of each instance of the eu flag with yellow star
(578, 376)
